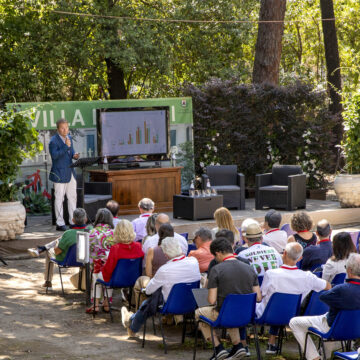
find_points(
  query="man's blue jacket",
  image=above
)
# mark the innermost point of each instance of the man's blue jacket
(61, 156)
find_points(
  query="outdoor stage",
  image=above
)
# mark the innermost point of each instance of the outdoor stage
(40, 231)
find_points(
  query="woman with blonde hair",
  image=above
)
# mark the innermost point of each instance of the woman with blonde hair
(224, 220)
(124, 248)
(301, 223)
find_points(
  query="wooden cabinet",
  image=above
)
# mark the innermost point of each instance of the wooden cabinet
(130, 186)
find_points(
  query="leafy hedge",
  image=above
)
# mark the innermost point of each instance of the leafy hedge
(255, 126)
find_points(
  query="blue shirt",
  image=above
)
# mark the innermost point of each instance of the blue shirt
(342, 297)
(316, 254)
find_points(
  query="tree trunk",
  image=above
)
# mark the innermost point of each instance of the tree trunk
(332, 64)
(269, 42)
(116, 80)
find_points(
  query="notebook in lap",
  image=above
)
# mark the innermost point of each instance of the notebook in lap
(201, 297)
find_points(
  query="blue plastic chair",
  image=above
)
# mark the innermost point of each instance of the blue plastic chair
(355, 238)
(287, 229)
(237, 310)
(316, 266)
(352, 355)
(345, 328)
(190, 248)
(280, 309)
(180, 301)
(185, 235)
(315, 305)
(338, 279)
(124, 275)
(69, 261)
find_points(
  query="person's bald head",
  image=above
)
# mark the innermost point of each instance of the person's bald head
(292, 253)
(323, 229)
(160, 220)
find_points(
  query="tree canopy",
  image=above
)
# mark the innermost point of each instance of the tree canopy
(97, 49)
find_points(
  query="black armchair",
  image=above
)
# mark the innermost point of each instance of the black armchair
(228, 183)
(95, 195)
(284, 188)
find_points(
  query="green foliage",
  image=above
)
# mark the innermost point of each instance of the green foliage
(185, 158)
(19, 140)
(351, 140)
(36, 203)
(257, 126)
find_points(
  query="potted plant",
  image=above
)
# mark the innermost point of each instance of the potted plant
(19, 140)
(347, 185)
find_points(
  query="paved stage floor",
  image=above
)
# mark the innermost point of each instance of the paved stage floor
(39, 230)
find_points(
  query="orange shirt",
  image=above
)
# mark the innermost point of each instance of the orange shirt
(203, 256)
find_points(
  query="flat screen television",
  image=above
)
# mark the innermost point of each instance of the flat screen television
(128, 132)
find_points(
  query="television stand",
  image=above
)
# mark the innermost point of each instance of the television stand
(129, 186)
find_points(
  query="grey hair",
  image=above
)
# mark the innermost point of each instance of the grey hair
(104, 216)
(146, 204)
(61, 121)
(204, 234)
(294, 250)
(353, 263)
(79, 216)
(171, 247)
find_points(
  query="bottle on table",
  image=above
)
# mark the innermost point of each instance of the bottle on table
(208, 187)
(105, 163)
(192, 189)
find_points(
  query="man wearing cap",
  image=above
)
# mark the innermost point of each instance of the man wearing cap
(290, 280)
(146, 208)
(273, 236)
(260, 256)
(318, 254)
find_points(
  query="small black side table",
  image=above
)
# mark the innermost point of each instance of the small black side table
(196, 207)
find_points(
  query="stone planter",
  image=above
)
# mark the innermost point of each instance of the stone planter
(12, 218)
(347, 188)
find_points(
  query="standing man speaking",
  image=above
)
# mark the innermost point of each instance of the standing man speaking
(62, 175)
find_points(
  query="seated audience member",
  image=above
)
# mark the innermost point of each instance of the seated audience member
(342, 246)
(229, 235)
(244, 225)
(273, 236)
(228, 277)
(150, 227)
(261, 257)
(224, 220)
(320, 253)
(154, 260)
(287, 279)
(124, 248)
(301, 223)
(100, 239)
(114, 207)
(146, 208)
(341, 297)
(202, 241)
(58, 248)
(178, 269)
(152, 241)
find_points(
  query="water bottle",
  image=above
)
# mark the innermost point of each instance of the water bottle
(192, 189)
(106, 165)
(208, 187)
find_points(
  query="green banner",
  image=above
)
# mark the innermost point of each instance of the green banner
(82, 114)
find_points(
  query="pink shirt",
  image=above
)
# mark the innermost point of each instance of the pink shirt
(139, 225)
(203, 256)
